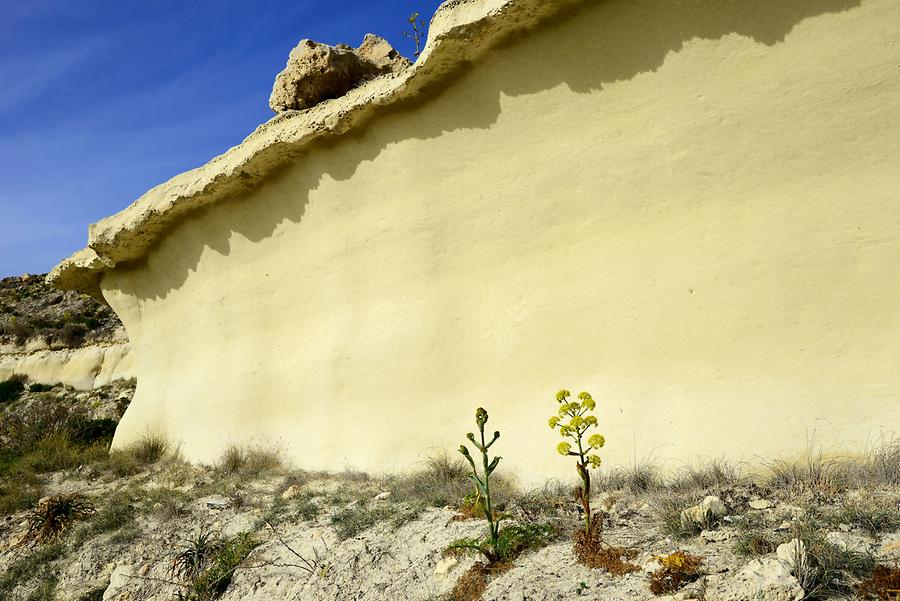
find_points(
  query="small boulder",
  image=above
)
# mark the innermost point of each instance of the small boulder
(383, 496)
(847, 541)
(217, 502)
(705, 514)
(377, 50)
(444, 566)
(316, 72)
(759, 580)
(793, 553)
(760, 504)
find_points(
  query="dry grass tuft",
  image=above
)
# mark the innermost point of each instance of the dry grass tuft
(149, 449)
(442, 480)
(251, 461)
(594, 553)
(813, 474)
(678, 569)
(715, 475)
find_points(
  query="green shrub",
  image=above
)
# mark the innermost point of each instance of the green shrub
(34, 565)
(218, 567)
(117, 513)
(350, 521)
(89, 431)
(12, 389)
(50, 454)
(39, 387)
(16, 496)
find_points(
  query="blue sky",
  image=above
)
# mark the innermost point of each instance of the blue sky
(103, 99)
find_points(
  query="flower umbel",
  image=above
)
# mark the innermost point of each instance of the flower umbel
(573, 421)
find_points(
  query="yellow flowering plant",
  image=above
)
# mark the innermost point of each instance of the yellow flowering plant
(573, 419)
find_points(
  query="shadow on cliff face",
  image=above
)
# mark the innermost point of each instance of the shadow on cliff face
(604, 42)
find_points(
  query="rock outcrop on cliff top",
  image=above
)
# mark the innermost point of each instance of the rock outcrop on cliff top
(317, 72)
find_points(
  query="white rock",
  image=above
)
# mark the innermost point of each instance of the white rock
(847, 541)
(444, 566)
(761, 504)
(704, 514)
(119, 580)
(217, 502)
(383, 495)
(759, 580)
(793, 553)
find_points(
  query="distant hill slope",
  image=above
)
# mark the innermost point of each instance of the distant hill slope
(31, 310)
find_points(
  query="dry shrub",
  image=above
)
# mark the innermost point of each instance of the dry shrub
(813, 473)
(883, 584)
(53, 515)
(474, 581)
(678, 569)
(252, 461)
(442, 480)
(594, 553)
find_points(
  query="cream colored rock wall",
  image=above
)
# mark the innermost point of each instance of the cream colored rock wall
(84, 368)
(689, 209)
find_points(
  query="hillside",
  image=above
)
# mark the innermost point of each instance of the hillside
(55, 337)
(33, 312)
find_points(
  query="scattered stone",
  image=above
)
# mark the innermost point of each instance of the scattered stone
(317, 72)
(378, 50)
(760, 504)
(759, 580)
(716, 536)
(217, 502)
(706, 513)
(847, 541)
(444, 566)
(793, 553)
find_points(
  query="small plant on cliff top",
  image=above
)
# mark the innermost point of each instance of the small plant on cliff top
(577, 426)
(488, 547)
(418, 31)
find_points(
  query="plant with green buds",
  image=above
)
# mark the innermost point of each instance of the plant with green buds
(573, 420)
(417, 34)
(483, 482)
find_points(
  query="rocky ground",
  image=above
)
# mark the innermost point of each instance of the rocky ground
(250, 528)
(30, 310)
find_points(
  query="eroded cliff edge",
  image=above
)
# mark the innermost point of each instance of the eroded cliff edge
(460, 32)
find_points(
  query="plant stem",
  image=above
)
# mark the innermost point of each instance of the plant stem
(488, 512)
(586, 487)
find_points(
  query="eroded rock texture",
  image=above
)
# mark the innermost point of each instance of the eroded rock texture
(317, 72)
